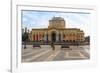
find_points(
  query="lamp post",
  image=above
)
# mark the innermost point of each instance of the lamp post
(77, 40)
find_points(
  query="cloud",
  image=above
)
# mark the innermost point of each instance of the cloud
(39, 19)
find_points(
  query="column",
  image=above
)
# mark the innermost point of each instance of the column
(57, 36)
(45, 36)
(48, 37)
(37, 36)
(61, 36)
(42, 36)
(33, 37)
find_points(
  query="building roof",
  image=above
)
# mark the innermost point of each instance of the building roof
(57, 29)
(57, 18)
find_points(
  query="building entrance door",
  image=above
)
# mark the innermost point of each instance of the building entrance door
(53, 37)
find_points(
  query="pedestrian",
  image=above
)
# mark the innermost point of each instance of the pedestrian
(52, 45)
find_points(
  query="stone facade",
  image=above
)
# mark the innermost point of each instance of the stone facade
(56, 32)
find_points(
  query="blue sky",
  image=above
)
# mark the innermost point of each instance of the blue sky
(39, 19)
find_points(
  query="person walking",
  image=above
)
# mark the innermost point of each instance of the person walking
(52, 45)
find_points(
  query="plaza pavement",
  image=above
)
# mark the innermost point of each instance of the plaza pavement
(45, 53)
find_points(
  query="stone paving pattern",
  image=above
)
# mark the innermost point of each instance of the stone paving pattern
(45, 53)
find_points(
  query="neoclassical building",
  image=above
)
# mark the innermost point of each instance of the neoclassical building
(57, 32)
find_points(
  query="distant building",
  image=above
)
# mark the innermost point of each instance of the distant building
(56, 32)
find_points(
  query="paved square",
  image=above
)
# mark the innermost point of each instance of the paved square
(45, 53)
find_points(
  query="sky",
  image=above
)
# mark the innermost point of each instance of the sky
(40, 19)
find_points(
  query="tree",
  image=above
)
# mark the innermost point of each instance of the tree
(87, 38)
(25, 38)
